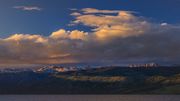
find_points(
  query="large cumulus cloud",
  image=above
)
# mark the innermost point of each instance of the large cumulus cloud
(115, 36)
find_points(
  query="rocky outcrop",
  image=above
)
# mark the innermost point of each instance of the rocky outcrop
(148, 65)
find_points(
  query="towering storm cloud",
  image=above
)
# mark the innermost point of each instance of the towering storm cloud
(115, 36)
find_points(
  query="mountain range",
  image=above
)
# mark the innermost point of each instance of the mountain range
(87, 80)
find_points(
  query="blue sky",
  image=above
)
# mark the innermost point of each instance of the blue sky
(55, 14)
(104, 31)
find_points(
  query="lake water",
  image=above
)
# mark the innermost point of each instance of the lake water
(90, 98)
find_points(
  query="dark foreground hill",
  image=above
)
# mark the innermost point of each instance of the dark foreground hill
(107, 80)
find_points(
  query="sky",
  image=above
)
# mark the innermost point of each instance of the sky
(75, 31)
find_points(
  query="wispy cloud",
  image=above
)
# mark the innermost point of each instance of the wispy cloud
(75, 14)
(93, 10)
(28, 8)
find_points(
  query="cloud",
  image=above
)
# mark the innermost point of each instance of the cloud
(28, 8)
(164, 24)
(75, 34)
(122, 37)
(123, 24)
(59, 34)
(73, 9)
(76, 14)
(93, 10)
(26, 48)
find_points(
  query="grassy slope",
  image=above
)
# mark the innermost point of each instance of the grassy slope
(137, 83)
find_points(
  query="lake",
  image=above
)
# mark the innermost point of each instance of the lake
(90, 98)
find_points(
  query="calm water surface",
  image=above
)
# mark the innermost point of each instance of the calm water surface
(90, 98)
